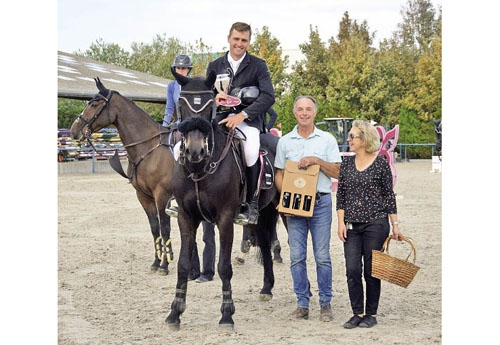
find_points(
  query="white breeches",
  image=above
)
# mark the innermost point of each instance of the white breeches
(252, 143)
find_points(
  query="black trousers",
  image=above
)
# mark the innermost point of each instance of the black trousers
(361, 239)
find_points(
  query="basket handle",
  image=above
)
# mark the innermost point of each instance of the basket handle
(385, 246)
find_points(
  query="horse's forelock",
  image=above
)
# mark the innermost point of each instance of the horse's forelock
(195, 122)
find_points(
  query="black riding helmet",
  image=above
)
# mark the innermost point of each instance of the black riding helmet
(182, 60)
(247, 94)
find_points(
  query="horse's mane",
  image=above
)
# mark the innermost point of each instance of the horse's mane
(107, 93)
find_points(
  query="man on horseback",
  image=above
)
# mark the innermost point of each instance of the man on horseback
(251, 79)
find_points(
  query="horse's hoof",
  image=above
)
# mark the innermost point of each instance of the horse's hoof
(278, 260)
(162, 271)
(154, 269)
(175, 326)
(226, 327)
(238, 261)
(265, 297)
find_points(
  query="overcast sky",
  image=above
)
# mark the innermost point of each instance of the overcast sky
(80, 23)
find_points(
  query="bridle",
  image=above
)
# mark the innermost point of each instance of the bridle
(210, 166)
(88, 123)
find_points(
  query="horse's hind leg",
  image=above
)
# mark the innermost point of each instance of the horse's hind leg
(264, 232)
(276, 246)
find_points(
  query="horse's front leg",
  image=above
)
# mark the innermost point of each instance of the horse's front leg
(149, 207)
(178, 306)
(225, 269)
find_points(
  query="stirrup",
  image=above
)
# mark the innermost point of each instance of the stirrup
(248, 217)
(242, 217)
(172, 210)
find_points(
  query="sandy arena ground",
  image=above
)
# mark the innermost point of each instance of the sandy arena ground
(107, 294)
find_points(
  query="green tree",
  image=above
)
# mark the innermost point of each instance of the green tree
(68, 110)
(267, 47)
(351, 72)
(418, 28)
(413, 130)
(157, 57)
(106, 52)
(201, 55)
(426, 96)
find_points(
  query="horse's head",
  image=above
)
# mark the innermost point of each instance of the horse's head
(195, 133)
(196, 109)
(197, 97)
(439, 135)
(90, 120)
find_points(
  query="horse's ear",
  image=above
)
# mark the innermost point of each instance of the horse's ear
(100, 85)
(179, 77)
(210, 81)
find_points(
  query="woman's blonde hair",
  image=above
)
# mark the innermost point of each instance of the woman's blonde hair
(368, 134)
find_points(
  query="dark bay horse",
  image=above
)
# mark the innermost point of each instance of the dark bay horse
(208, 185)
(151, 163)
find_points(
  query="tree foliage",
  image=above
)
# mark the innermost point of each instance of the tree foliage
(68, 110)
(398, 82)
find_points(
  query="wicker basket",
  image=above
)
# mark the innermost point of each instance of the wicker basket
(391, 269)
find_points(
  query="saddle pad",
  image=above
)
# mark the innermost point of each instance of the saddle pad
(268, 173)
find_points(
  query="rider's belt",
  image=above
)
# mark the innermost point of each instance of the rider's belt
(319, 195)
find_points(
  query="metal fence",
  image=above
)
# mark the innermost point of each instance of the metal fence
(401, 150)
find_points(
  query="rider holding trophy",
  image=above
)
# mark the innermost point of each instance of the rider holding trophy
(246, 77)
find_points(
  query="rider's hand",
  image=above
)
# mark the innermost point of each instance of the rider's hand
(233, 121)
(220, 95)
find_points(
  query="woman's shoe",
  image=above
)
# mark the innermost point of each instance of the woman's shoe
(353, 322)
(368, 321)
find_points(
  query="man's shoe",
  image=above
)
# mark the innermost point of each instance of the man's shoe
(353, 322)
(203, 279)
(325, 313)
(300, 313)
(368, 321)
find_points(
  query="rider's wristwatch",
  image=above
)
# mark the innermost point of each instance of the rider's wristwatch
(245, 115)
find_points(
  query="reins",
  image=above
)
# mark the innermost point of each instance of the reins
(211, 166)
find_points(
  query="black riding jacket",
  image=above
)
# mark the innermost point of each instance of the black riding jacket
(253, 71)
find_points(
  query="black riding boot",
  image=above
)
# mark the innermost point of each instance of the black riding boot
(251, 215)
